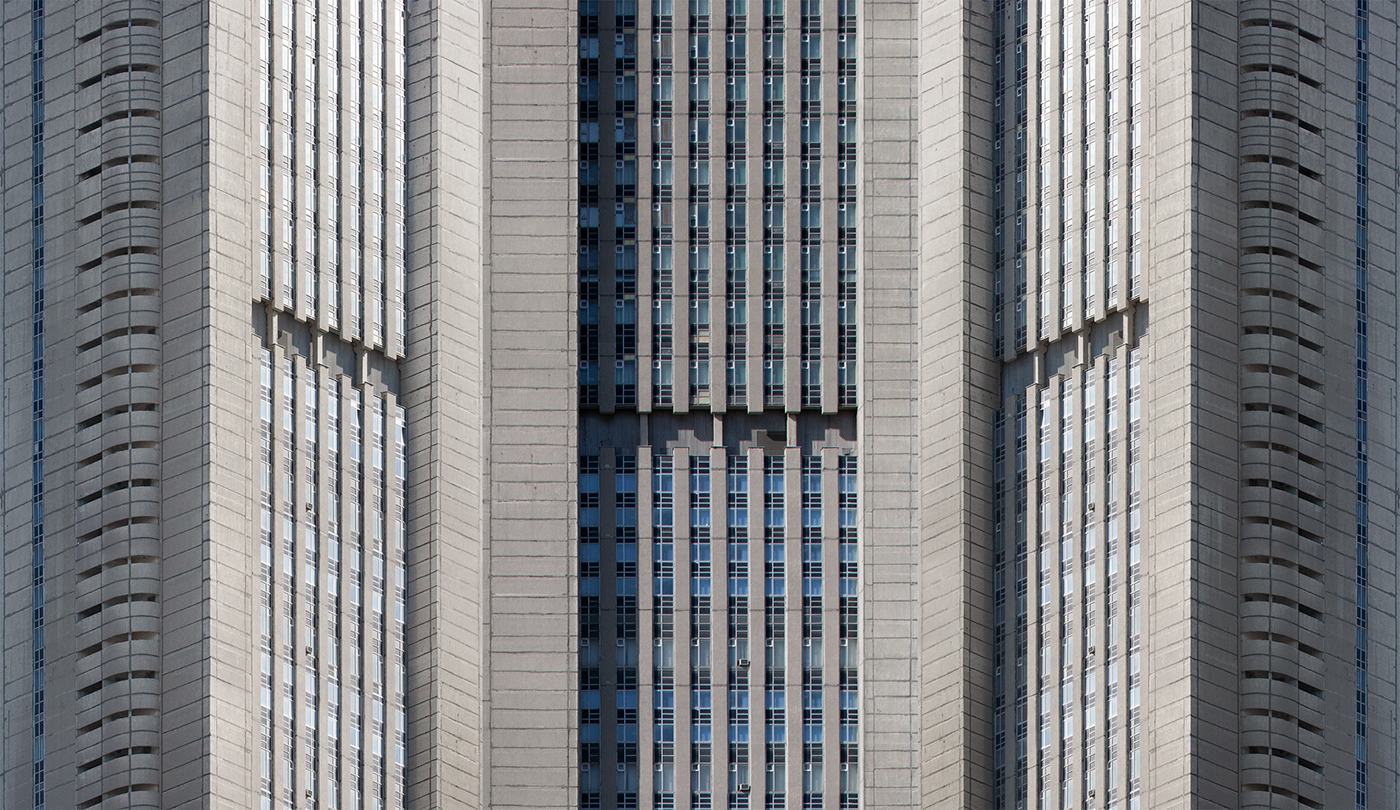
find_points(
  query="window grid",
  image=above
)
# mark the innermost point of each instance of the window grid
(625, 584)
(810, 196)
(623, 166)
(590, 632)
(1362, 395)
(716, 710)
(590, 83)
(663, 631)
(625, 204)
(38, 428)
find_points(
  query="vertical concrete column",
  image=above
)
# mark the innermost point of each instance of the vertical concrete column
(443, 385)
(532, 649)
(887, 244)
(956, 399)
(209, 379)
(1190, 509)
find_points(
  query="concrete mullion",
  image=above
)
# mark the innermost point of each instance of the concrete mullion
(1051, 197)
(375, 240)
(753, 354)
(1077, 140)
(719, 105)
(718, 278)
(277, 115)
(323, 473)
(396, 215)
(830, 242)
(361, 615)
(349, 164)
(278, 606)
(1080, 661)
(303, 45)
(646, 295)
(395, 653)
(680, 207)
(792, 221)
(1104, 593)
(324, 124)
(1123, 587)
(344, 473)
(301, 611)
(830, 200)
(719, 316)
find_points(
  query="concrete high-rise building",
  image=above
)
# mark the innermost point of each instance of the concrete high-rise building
(699, 403)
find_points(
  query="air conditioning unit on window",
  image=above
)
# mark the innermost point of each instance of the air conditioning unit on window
(743, 663)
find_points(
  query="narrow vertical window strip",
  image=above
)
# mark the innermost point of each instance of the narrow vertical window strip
(810, 196)
(662, 191)
(1000, 663)
(663, 633)
(847, 79)
(774, 196)
(265, 129)
(699, 230)
(37, 398)
(737, 526)
(1362, 406)
(268, 515)
(848, 543)
(588, 224)
(624, 215)
(590, 634)
(701, 590)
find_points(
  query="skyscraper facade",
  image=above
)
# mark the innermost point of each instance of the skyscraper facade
(720, 434)
(699, 404)
(1157, 279)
